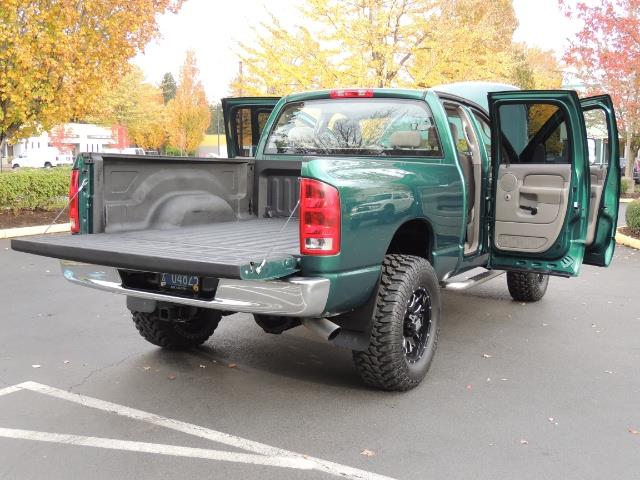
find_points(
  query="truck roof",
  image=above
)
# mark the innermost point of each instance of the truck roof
(473, 91)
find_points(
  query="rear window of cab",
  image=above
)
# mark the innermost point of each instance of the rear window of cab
(355, 126)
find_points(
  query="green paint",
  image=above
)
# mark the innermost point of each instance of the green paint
(600, 253)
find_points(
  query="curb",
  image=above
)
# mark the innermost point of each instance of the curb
(627, 241)
(627, 200)
(37, 230)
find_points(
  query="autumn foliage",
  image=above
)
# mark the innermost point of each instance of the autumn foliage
(605, 55)
(56, 56)
(188, 113)
(385, 43)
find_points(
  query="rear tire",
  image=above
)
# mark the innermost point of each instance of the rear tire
(405, 326)
(47, 165)
(527, 287)
(177, 335)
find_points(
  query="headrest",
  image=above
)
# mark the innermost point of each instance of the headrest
(300, 135)
(406, 139)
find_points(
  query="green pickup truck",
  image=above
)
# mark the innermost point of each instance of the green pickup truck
(346, 211)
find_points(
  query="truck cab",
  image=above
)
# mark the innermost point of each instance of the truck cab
(347, 211)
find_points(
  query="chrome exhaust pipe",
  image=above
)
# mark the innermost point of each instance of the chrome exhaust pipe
(322, 327)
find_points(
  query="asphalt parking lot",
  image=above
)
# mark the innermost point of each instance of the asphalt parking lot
(540, 391)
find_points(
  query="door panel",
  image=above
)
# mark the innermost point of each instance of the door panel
(598, 175)
(531, 205)
(540, 193)
(602, 134)
(244, 118)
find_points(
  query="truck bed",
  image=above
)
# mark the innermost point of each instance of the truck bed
(223, 250)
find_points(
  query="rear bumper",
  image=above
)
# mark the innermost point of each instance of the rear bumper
(293, 297)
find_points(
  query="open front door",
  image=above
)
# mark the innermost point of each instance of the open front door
(540, 182)
(604, 169)
(244, 119)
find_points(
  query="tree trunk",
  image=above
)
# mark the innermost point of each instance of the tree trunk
(3, 141)
(629, 157)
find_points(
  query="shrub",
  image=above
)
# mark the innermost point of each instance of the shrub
(625, 186)
(633, 216)
(45, 189)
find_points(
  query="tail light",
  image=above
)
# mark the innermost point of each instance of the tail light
(319, 218)
(351, 93)
(74, 211)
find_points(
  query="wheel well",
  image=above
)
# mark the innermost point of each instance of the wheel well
(413, 238)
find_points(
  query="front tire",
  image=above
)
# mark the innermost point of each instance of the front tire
(527, 287)
(177, 334)
(405, 325)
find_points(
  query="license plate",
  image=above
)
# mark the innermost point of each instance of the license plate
(177, 281)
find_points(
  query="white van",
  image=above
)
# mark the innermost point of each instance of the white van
(46, 158)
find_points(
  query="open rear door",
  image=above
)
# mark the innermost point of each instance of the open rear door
(604, 169)
(244, 119)
(540, 182)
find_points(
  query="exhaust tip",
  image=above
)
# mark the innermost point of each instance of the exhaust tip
(334, 334)
(322, 327)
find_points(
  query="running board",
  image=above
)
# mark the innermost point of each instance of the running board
(473, 281)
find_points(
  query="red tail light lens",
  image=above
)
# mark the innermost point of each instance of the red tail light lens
(319, 218)
(74, 211)
(351, 93)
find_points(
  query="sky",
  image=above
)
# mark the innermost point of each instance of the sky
(212, 28)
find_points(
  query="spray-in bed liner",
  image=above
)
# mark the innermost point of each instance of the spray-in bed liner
(227, 249)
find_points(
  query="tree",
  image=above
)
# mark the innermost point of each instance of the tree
(168, 87)
(387, 43)
(136, 106)
(56, 54)
(606, 57)
(466, 40)
(216, 126)
(188, 114)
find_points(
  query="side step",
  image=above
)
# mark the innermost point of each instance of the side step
(472, 281)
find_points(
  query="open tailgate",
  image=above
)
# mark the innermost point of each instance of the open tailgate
(258, 249)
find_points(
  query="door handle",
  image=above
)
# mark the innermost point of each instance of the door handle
(533, 210)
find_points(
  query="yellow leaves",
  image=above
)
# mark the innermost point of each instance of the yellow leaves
(378, 43)
(56, 57)
(188, 113)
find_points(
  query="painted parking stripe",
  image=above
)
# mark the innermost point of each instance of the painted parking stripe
(260, 449)
(8, 390)
(143, 447)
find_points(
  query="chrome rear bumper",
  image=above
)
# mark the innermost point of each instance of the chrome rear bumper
(293, 297)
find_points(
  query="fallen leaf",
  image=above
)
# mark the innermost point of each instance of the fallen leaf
(66, 361)
(633, 431)
(171, 377)
(469, 387)
(202, 366)
(146, 368)
(551, 419)
(486, 355)
(36, 366)
(523, 442)
(368, 453)
(232, 365)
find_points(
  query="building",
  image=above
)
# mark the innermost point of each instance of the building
(71, 138)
